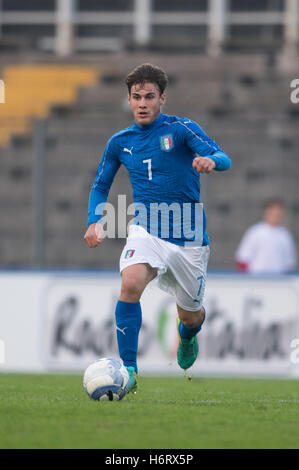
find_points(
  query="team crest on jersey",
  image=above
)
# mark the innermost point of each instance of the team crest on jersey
(166, 142)
(129, 253)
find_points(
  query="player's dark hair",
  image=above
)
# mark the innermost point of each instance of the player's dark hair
(275, 201)
(147, 73)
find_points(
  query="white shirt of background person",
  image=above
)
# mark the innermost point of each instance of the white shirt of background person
(268, 247)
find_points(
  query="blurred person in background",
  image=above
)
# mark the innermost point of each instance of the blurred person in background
(268, 246)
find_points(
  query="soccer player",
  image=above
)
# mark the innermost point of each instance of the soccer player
(164, 156)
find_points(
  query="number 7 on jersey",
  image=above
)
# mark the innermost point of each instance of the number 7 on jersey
(149, 167)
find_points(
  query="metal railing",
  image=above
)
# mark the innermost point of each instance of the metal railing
(218, 18)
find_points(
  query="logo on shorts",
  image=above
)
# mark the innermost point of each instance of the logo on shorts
(166, 142)
(129, 253)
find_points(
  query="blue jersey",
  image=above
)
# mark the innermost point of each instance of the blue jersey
(166, 189)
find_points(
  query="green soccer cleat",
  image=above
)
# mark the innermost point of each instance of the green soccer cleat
(132, 380)
(187, 351)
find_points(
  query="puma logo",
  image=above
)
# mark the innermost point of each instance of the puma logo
(122, 330)
(129, 151)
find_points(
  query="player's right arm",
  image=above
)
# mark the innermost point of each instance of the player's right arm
(107, 169)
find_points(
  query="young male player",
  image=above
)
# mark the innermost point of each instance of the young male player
(163, 155)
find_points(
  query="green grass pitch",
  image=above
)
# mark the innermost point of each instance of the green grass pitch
(53, 411)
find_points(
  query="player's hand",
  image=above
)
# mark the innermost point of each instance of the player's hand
(203, 164)
(94, 235)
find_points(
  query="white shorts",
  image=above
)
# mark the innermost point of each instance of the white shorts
(181, 270)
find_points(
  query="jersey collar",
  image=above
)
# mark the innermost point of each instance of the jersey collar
(151, 126)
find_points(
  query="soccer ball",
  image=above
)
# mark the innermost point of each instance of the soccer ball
(106, 379)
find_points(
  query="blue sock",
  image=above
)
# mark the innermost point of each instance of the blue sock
(128, 319)
(188, 333)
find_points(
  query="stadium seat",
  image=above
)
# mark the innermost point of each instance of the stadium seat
(32, 90)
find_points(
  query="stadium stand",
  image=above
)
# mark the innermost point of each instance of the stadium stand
(230, 66)
(32, 90)
(232, 98)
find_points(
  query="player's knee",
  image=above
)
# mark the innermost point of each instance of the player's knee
(131, 289)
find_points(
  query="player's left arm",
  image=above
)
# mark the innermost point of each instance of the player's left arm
(209, 155)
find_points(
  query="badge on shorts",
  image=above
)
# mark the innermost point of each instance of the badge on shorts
(166, 142)
(129, 253)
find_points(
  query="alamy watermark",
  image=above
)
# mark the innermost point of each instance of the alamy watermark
(2, 92)
(2, 352)
(177, 221)
(294, 96)
(294, 356)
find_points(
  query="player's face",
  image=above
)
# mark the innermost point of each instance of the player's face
(145, 101)
(274, 215)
